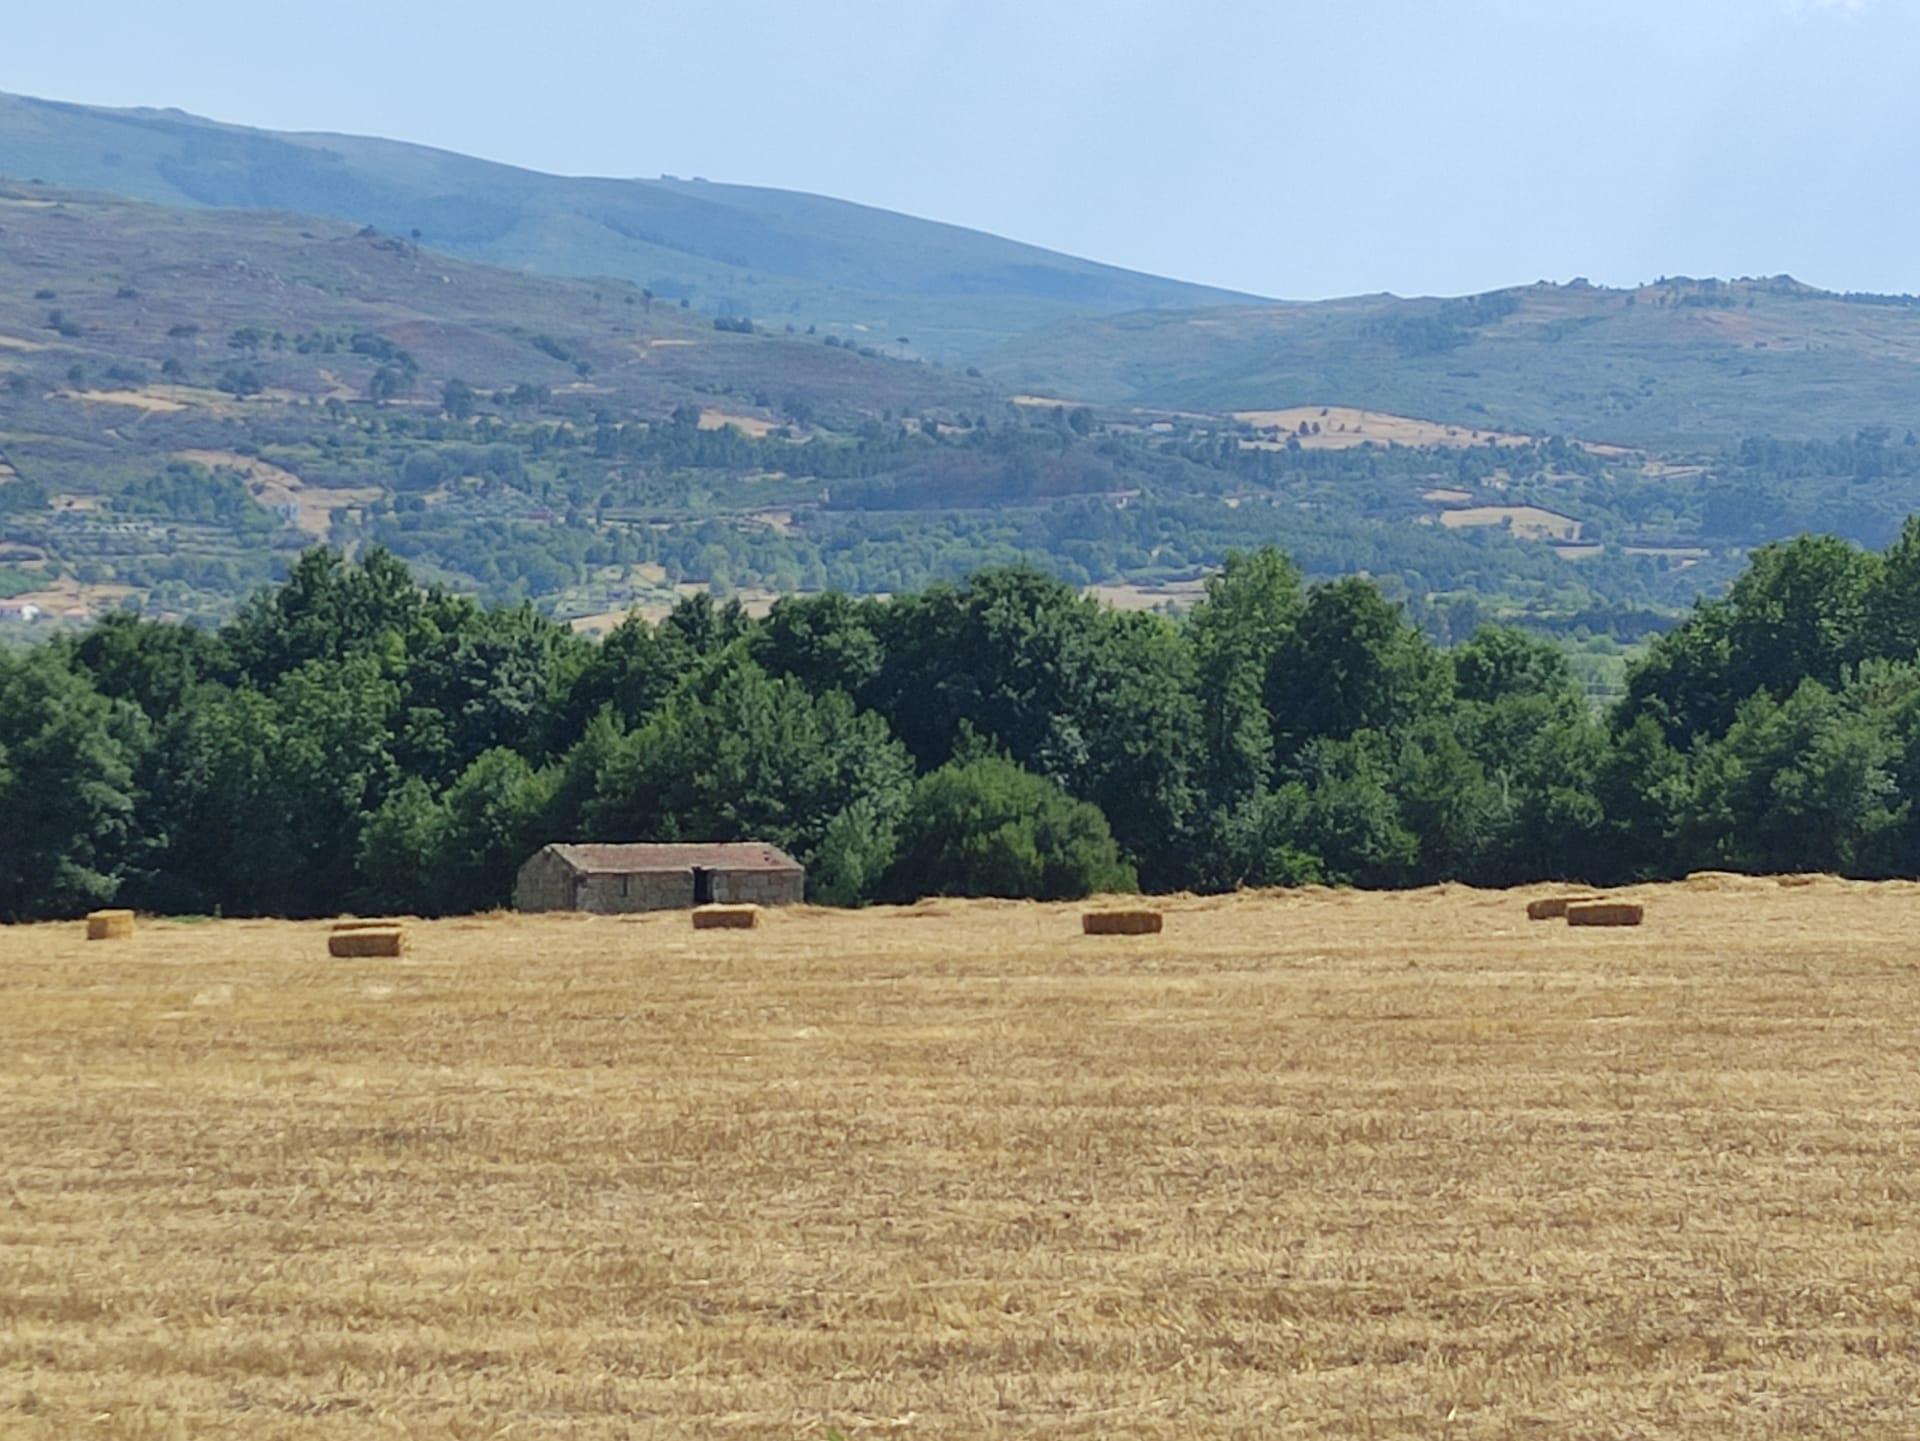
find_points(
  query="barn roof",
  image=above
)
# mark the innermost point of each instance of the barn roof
(593, 859)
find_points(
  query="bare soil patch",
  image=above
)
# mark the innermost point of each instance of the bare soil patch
(134, 399)
(753, 425)
(1343, 427)
(277, 488)
(1527, 522)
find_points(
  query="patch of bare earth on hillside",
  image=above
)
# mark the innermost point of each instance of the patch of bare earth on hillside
(1342, 427)
(311, 506)
(1524, 522)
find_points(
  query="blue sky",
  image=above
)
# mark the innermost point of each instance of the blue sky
(1303, 149)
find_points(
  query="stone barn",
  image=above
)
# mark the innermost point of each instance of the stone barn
(614, 878)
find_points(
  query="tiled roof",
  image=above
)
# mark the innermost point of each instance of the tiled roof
(595, 859)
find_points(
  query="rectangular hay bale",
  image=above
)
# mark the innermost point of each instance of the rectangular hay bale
(368, 941)
(1606, 913)
(1553, 908)
(1122, 923)
(726, 918)
(109, 925)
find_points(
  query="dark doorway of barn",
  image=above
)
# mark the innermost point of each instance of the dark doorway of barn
(702, 886)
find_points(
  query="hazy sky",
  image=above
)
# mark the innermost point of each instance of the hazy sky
(1297, 148)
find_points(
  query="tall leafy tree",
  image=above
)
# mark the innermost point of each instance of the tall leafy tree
(1101, 704)
(986, 827)
(1807, 783)
(1239, 633)
(740, 755)
(328, 610)
(1352, 663)
(66, 780)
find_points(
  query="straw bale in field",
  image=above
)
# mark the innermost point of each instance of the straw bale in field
(1552, 908)
(109, 925)
(1606, 913)
(1122, 923)
(386, 940)
(1723, 881)
(726, 918)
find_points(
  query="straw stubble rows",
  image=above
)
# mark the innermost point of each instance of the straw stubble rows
(1314, 1165)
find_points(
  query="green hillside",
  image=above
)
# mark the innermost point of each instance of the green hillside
(1679, 365)
(188, 398)
(913, 286)
(191, 397)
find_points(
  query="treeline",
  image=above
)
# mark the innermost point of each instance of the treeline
(353, 741)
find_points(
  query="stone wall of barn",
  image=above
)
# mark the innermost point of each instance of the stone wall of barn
(545, 883)
(610, 895)
(760, 888)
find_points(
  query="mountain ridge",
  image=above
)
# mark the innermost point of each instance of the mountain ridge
(1677, 364)
(949, 290)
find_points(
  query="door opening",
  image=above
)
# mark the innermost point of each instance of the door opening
(702, 886)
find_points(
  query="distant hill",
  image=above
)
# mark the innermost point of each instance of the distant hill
(316, 361)
(1677, 365)
(189, 397)
(96, 281)
(913, 286)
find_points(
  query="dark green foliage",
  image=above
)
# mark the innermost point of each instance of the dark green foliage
(1238, 637)
(985, 827)
(1100, 702)
(353, 739)
(192, 494)
(66, 782)
(737, 755)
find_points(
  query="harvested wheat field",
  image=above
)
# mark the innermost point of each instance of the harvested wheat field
(1305, 1164)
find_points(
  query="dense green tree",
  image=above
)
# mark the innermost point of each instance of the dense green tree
(154, 664)
(457, 399)
(1642, 787)
(66, 780)
(1100, 703)
(477, 680)
(1892, 619)
(1238, 633)
(1798, 612)
(737, 755)
(824, 641)
(1346, 814)
(496, 815)
(1684, 685)
(257, 804)
(1805, 783)
(1352, 663)
(1445, 801)
(399, 849)
(1262, 841)
(353, 738)
(1499, 663)
(986, 827)
(327, 610)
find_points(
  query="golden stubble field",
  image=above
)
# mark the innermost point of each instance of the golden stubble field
(1313, 1164)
